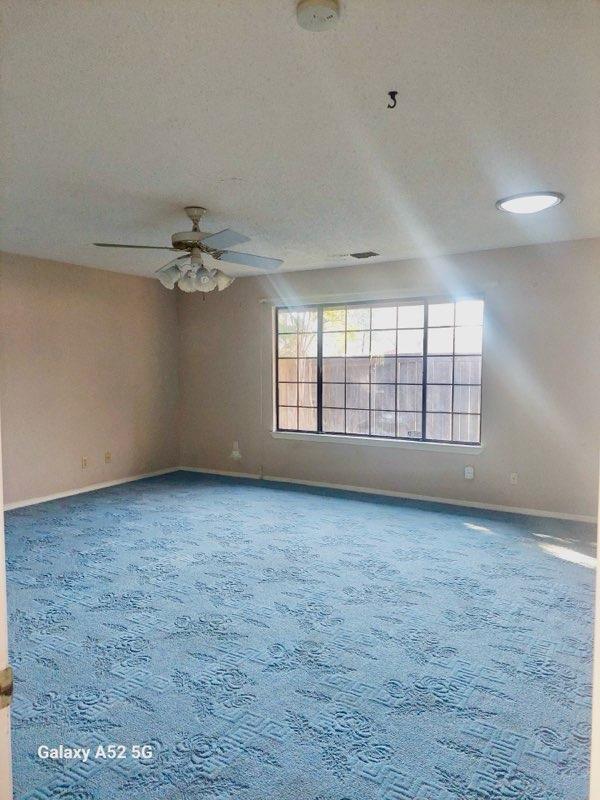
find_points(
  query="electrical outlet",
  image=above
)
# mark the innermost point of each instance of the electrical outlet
(514, 478)
(84, 462)
(469, 473)
(107, 457)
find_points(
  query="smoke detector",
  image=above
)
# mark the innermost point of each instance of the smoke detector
(317, 15)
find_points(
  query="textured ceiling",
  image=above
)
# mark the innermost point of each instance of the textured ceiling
(116, 114)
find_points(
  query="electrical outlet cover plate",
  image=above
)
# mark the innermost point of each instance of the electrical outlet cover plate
(469, 473)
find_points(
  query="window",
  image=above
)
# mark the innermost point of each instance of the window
(409, 370)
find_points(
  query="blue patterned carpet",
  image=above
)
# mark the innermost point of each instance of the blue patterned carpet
(278, 643)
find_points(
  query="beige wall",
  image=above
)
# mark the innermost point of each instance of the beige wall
(541, 379)
(92, 360)
(88, 363)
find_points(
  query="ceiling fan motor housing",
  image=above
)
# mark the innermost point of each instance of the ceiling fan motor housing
(196, 242)
(185, 240)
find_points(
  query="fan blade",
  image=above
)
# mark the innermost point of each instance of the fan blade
(249, 260)
(172, 263)
(224, 239)
(132, 246)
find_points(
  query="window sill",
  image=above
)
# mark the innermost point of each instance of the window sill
(440, 447)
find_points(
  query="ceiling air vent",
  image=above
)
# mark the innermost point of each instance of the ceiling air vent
(366, 254)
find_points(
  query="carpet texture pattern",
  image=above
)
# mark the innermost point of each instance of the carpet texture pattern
(271, 642)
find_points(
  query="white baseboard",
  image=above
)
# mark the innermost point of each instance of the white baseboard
(531, 512)
(92, 487)
(254, 475)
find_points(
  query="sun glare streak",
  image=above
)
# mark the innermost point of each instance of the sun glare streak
(550, 536)
(529, 390)
(444, 272)
(481, 528)
(282, 292)
(567, 554)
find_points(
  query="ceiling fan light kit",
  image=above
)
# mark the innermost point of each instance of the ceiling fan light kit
(223, 281)
(169, 277)
(188, 271)
(195, 279)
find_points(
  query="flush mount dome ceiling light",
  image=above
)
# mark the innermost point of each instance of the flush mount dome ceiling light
(530, 202)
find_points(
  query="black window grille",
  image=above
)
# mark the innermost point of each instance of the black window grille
(393, 370)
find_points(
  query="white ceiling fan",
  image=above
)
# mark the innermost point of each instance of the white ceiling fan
(188, 271)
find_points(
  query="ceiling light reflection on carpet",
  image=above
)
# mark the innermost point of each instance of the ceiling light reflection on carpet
(530, 202)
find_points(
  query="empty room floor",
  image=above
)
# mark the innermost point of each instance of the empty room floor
(273, 641)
